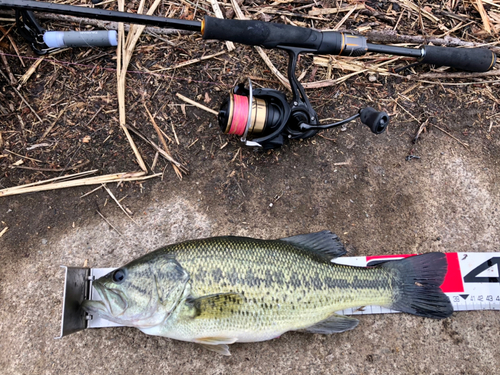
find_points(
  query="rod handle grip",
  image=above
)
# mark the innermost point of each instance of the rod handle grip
(259, 33)
(469, 59)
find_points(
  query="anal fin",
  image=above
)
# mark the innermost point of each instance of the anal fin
(221, 349)
(217, 344)
(333, 324)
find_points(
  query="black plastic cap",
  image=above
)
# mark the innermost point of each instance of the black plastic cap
(375, 120)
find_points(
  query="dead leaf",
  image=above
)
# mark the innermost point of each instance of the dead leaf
(86, 139)
(207, 98)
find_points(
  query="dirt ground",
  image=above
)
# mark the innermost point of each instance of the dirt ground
(350, 181)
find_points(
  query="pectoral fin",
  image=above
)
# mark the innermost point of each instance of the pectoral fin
(216, 344)
(333, 324)
(216, 306)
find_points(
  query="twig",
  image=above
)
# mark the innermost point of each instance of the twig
(192, 102)
(331, 82)
(190, 62)
(6, 32)
(491, 73)
(30, 72)
(124, 52)
(408, 4)
(24, 157)
(319, 12)
(156, 147)
(54, 122)
(94, 116)
(118, 203)
(404, 109)
(455, 138)
(111, 225)
(4, 230)
(339, 25)
(44, 186)
(9, 72)
(79, 174)
(22, 97)
(157, 129)
(420, 129)
(52, 169)
(162, 140)
(274, 70)
(484, 16)
(175, 133)
(459, 83)
(91, 191)
(284, 13)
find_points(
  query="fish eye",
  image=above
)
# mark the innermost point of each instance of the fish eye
(118, 276)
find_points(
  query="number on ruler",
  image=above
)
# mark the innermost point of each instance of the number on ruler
(471, 277)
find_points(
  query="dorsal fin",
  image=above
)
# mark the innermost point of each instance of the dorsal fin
(325, 244)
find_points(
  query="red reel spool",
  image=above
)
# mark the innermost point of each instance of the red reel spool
(233, 116)
(238, 117)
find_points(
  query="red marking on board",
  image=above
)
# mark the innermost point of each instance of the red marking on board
(452, 283)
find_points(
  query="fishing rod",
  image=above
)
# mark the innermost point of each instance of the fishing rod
(264, 117)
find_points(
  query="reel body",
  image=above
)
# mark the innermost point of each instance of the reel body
(269, 119)
(265, 115)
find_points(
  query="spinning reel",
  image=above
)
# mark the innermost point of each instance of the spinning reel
(265, 116)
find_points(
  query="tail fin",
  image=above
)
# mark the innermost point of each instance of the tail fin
(417, 282)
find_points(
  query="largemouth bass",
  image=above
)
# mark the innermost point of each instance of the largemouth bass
(222, 290)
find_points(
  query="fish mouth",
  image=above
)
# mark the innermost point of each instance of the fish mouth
(94, 307)
(111, 305)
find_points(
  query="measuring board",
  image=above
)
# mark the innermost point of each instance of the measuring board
(472, 283)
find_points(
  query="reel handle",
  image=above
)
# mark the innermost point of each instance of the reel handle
(375, 120)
